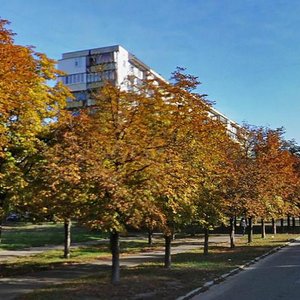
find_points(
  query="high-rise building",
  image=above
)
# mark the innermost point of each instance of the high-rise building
(87, 70)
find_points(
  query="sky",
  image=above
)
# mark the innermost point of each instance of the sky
(246, 53)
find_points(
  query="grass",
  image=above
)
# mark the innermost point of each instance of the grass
(54, 258)
(150, 280)
(18, 236)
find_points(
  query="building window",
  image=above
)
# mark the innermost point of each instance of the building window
(93, 77)
(78, 62)
(109, 75)
(73, 78)
(101, 59)
(105, 58)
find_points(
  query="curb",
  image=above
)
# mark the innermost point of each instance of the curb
(207, 285)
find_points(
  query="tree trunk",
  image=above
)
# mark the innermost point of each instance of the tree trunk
(115, 251)
(232, 232)
(67, 242)
(282, 225)
(235, 223)
(294, 222)
(206, 236)
(288, 223)
(274, 231)
(193, 230)
(250, 230)
(2, 220)
(0, 231)
(150, 235)
(173, 234)
(168, 239)
(263, 228)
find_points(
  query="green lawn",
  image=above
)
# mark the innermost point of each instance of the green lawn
(21, 235)
(18, 236)
(189, 271)
(54, 258)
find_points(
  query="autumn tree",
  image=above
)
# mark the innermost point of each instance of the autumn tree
(26, 103)
(275, 166)
(140, 167)
(55, 185)
(124, 140)
(263, 176)
(198, 142)
(294, 198)
(233, 206)
(129, 144)
(208, 163)
(241, 188)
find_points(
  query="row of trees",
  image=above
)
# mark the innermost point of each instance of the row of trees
(149, 158)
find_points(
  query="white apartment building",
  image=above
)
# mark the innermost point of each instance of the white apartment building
(87, 70)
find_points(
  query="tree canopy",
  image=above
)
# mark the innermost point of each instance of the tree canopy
(27, 104)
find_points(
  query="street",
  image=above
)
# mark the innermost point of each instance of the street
(273, 278)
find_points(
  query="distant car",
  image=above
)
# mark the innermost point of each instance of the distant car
(12, 217)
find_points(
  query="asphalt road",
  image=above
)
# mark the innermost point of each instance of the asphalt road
(276, 277)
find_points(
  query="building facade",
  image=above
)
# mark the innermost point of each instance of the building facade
(87, 70)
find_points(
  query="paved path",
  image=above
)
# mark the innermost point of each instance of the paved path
(12, 287)
(276, 277)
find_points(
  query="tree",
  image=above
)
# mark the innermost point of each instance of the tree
(26, 103)
(294, 198)
(241, 187)
(138, 149)
(277, 174)
(210, 168)
(56, 185)
(127, 137)
(233, 206)
(264, 176)
(198, 141)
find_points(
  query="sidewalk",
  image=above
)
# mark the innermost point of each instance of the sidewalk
(11, 287)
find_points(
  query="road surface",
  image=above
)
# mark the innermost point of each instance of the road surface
(276, 277)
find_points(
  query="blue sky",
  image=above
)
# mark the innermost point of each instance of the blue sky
(246, 53)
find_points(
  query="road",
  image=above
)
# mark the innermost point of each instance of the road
(276, 277)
